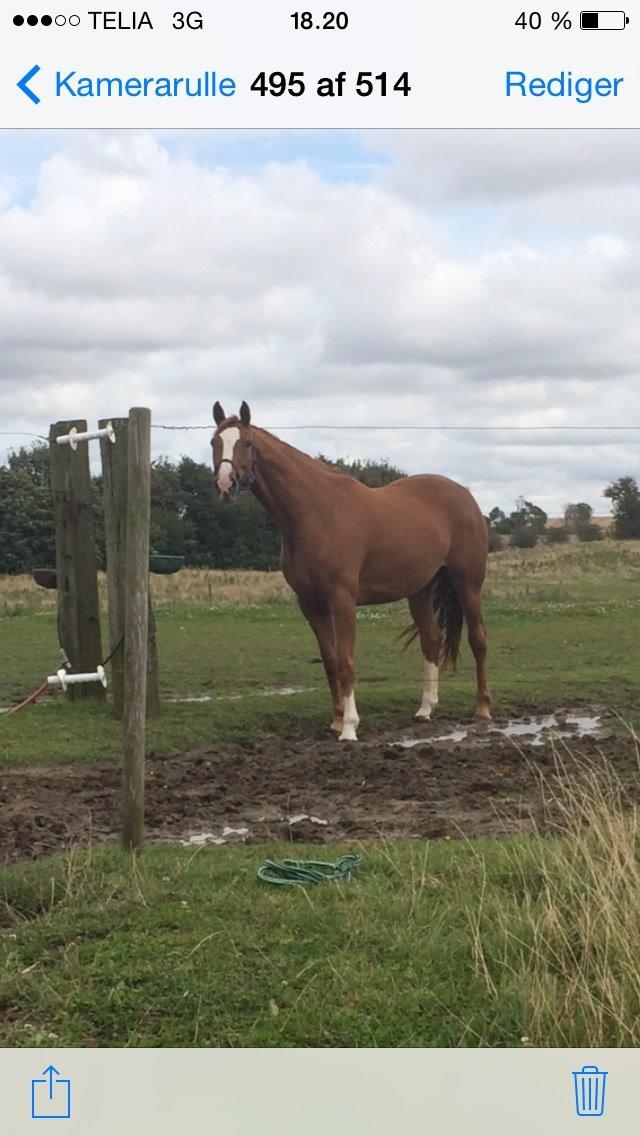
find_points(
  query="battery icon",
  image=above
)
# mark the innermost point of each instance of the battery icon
(603, 21)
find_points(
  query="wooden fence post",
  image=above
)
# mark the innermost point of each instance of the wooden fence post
(153, 684)
(136, 625)
(114, 491)
(77, 575)
(114, 480)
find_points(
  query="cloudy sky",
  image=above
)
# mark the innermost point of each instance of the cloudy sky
(335, 279)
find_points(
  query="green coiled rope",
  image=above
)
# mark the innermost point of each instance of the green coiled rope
(308, 871)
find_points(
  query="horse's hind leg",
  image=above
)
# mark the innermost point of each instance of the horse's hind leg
(424, 617)
(471, 603)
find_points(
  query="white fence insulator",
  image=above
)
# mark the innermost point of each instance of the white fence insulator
(73, 437)
(64, 680)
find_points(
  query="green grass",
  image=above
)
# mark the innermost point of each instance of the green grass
(580, 645)
(528, 941)
(182, 949)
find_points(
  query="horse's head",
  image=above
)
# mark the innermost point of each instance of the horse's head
(233, 453)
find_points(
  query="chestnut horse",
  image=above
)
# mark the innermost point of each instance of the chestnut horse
(421, 538)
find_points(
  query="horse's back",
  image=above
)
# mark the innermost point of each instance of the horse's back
(440, 497)
(426, 486)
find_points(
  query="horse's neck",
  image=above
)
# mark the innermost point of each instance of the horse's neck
(284, 480)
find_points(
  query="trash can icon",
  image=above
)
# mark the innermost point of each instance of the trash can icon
(589, 1084)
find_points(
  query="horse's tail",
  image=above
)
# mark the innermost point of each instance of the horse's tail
(448, 611)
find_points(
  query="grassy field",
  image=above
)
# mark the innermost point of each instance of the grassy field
(562, 625)
(484, 943)
(526, 942)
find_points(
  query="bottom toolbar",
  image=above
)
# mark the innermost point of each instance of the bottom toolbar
(282, 1092)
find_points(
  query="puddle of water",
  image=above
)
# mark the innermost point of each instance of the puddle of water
(523, 729)
(534, 732)
(454, 736)
(298, 817)
(584, 725)
(190, 698)
(198, 839)
(275, 692)
(284, 691)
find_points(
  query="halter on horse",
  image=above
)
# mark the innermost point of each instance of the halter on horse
(421, 538)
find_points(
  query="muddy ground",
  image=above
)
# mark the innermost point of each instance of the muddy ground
(484, 784)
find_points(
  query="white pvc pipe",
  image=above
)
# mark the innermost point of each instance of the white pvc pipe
(73, 437)
(61, 678)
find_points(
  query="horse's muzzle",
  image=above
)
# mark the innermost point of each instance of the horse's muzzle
(227, 481)
(228, 492)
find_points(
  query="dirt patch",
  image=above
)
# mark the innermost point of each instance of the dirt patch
(320, 790)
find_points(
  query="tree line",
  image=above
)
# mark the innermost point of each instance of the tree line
(187, 519)
(528, 523)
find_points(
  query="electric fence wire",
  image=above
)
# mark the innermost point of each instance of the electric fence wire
(360, 427)
(355, 427)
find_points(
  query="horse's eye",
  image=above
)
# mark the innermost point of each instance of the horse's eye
(247, 445)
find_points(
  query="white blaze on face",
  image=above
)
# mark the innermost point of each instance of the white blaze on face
(229, 437)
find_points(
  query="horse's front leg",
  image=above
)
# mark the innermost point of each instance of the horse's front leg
(321, 622)
(343, 612)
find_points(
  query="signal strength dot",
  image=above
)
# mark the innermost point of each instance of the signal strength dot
(32, 21)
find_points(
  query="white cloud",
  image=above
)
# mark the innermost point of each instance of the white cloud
(487, 277)
(508, 166)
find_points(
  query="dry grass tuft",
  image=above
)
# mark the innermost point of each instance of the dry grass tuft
(214, 588)
(568, 934)
(197, 586)
(561, 562)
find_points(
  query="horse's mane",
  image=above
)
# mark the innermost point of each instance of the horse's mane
(300, 454)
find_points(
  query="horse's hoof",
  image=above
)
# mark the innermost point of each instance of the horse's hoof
(337, 727)
(483, 714)
(422, 715)
(348, 735)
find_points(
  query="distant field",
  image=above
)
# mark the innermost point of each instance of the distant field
(202, 586)
(556, 566)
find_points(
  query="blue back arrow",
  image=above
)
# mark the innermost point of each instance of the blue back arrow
(22, 84)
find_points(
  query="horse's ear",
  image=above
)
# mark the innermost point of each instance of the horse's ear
(245, 415)
(218, 413)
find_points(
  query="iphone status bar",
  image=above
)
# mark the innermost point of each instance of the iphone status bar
(363, 65)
